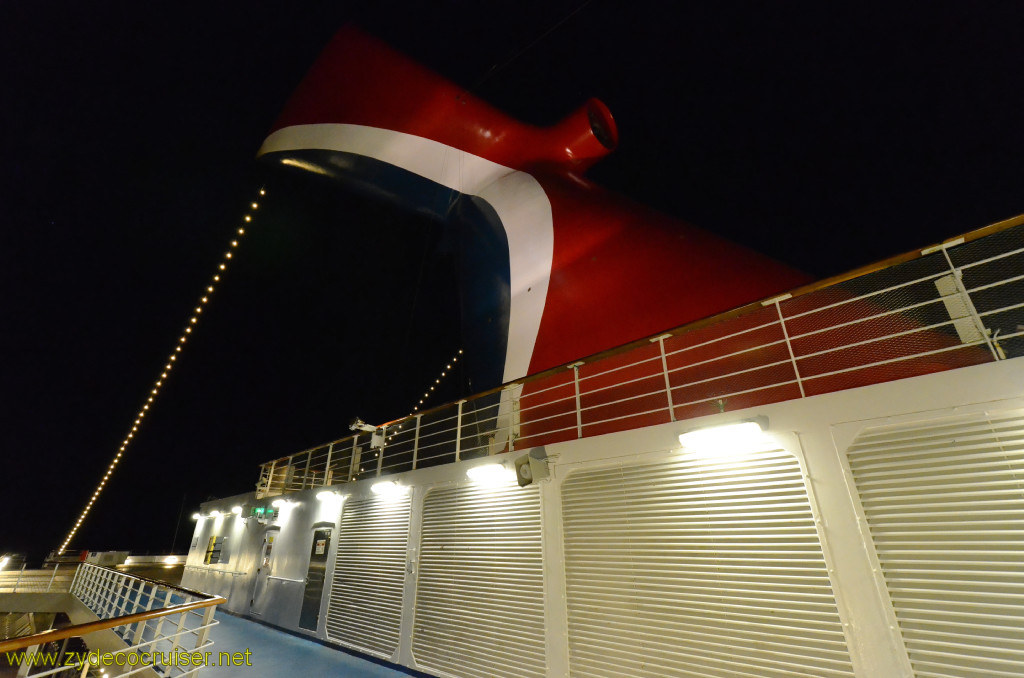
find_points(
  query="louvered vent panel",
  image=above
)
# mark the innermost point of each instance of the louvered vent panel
(698, 567)
(369, 574)
(944, 502)
(480, 591)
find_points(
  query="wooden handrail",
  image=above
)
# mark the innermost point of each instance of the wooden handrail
(104, 624)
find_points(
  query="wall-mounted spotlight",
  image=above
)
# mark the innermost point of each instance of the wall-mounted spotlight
(171, 560)
(388, 488)
(215, 514)
(491, 474)
(197, 516)
(327, 495)
(730, 439)
(237, 510)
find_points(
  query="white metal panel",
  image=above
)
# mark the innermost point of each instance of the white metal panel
(698, 567)
(480, 589)
(944, 502)
(365, 610)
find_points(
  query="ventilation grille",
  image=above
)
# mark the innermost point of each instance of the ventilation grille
(480, 592)
(944, 502)
(365, 611)
(698, 567)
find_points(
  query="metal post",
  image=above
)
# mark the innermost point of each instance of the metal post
(270, 476)
(56, 567)
(664, 371)
(207, 621)
(969, 303)
(380, 450)
(305, 473)
(354, 461)
(328, 476)
(416, 442)
(18, 580)
(74, 579)
(576, 386)
(182, 616)
(160, 620)
(458, 432)
(141, 626)
(785, 333)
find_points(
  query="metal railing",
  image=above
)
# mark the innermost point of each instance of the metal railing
(154, 621)
(55, 580)
(957, 304)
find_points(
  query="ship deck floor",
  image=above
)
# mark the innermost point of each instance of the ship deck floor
(276, 653)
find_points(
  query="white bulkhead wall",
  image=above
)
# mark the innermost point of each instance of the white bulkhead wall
(816, 430)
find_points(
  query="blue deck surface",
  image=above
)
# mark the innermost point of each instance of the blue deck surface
(276, 654)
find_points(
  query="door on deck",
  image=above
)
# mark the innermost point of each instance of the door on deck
(315, 578)
(264, 568)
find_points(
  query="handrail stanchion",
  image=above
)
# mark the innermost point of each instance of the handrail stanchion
(664, 371)
(416, 442)
(785, 333)
(354, 461)
(969, 303)
(458, 431)
(18, 580)
(305, 473)
(205, 632)
(49, 585)
(270, 477)
(380, 450)
(576, 387)
(328, 476)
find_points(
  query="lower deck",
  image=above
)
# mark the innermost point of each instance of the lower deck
(273, 653)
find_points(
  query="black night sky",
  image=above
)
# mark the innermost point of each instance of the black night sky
(827, 136)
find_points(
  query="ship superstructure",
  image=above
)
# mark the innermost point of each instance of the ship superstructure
(691, 462)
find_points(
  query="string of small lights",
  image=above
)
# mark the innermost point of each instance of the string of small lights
(204, 300)
(430, 390)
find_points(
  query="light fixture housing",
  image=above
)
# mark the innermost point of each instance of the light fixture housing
(327, 495)
(215, 514)
(388, 488)
(491, 474)
(728, 439)
(171, 560)
(197, 516)
(237, 510)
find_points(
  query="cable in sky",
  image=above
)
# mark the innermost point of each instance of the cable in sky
(160, 382)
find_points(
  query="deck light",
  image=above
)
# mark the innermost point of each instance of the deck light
(727, 440)
(491, 474)
(387, 488)
(327, 495)
(171, 560)
(237, 510)
(215, 514)
(196, 516)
